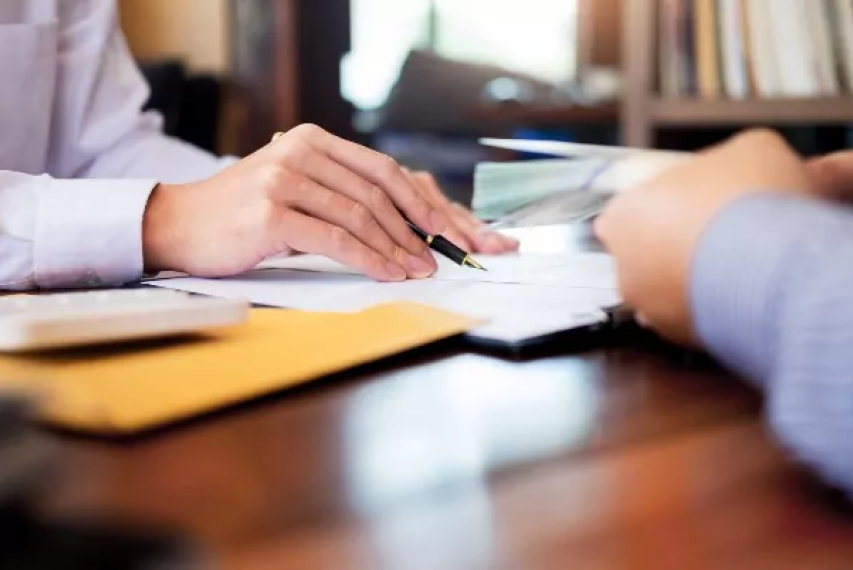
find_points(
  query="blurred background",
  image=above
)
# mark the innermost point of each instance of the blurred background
(423, 79)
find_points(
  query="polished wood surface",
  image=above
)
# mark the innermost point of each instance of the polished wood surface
(628, 455)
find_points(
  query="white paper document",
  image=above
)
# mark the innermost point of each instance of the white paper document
(571, 149)
(566, 190)
(521, 296)
(593, 270)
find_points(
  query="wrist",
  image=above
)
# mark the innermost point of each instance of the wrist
(159, 243)
(741, 271)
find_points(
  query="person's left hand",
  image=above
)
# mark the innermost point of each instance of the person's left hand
(653, 230)
(463, 228)
(832, 175)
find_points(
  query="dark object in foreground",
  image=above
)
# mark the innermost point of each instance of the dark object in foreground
(28, 464)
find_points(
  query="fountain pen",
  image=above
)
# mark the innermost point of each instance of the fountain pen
(446, 248)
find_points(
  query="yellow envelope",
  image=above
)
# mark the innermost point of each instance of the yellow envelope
(129, 388)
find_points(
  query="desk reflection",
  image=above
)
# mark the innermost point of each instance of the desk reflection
(418, 451)
(453, 422)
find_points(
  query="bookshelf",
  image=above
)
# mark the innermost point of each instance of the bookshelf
(644, 109)
(669, 112)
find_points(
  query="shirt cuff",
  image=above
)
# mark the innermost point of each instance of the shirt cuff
(89, 232)
(739, 274)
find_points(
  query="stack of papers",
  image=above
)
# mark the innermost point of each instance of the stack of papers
(520, 296)
(569, 189)
(537, 192)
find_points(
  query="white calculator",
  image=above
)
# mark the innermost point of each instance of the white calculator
(35, 322)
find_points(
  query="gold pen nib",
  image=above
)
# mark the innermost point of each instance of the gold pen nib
(471, 263)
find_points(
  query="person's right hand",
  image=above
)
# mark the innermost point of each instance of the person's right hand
(307, 191)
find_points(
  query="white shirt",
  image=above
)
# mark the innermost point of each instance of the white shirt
(78, 158)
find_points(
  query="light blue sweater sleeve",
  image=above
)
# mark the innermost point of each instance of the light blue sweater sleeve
(771, 291)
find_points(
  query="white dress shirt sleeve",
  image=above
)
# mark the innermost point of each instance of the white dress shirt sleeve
(80, 224)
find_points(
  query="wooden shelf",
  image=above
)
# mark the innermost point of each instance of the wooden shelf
(645, 111)
(696, 112)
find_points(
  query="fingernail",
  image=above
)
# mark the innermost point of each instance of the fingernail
(429, 259)
(395, 272)
(420, 268)
(436, 219)
(488, 243)
(509, 242)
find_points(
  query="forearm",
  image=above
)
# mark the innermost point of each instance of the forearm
(70, 233)
(772, 297)
(141, 150)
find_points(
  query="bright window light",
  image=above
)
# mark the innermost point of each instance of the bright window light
(537, 37)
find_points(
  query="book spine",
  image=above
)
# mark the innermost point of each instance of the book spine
(687, 33)
(671, 51)
(767, 72)
(794, 54)
(731, 49)
(843, 19)
(706, 49)
(747, 43)
(823, 42)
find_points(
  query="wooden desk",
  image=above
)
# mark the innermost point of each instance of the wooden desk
(620, 457)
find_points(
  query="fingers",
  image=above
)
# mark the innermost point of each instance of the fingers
(429, 190)
(379, 169)
(464, 229)
(362, 193)
(375, 203)
(485, 240)
(311, 235)
(311, 198)
(458, 238)
(832, 175)
(762, 157)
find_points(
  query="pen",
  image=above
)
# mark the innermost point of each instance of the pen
(446, 248)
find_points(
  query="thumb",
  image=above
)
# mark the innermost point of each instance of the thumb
(832, 175)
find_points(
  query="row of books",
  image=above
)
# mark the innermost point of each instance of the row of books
(742, 49)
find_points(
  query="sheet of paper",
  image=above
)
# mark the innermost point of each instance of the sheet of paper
(521, 296)
(525, 322)
(589, 270)
(317, 291)
(570, 149)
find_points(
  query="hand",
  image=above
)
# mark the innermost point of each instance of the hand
(307, 191)
(832, 175)
(652, 230)
(463, 228)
